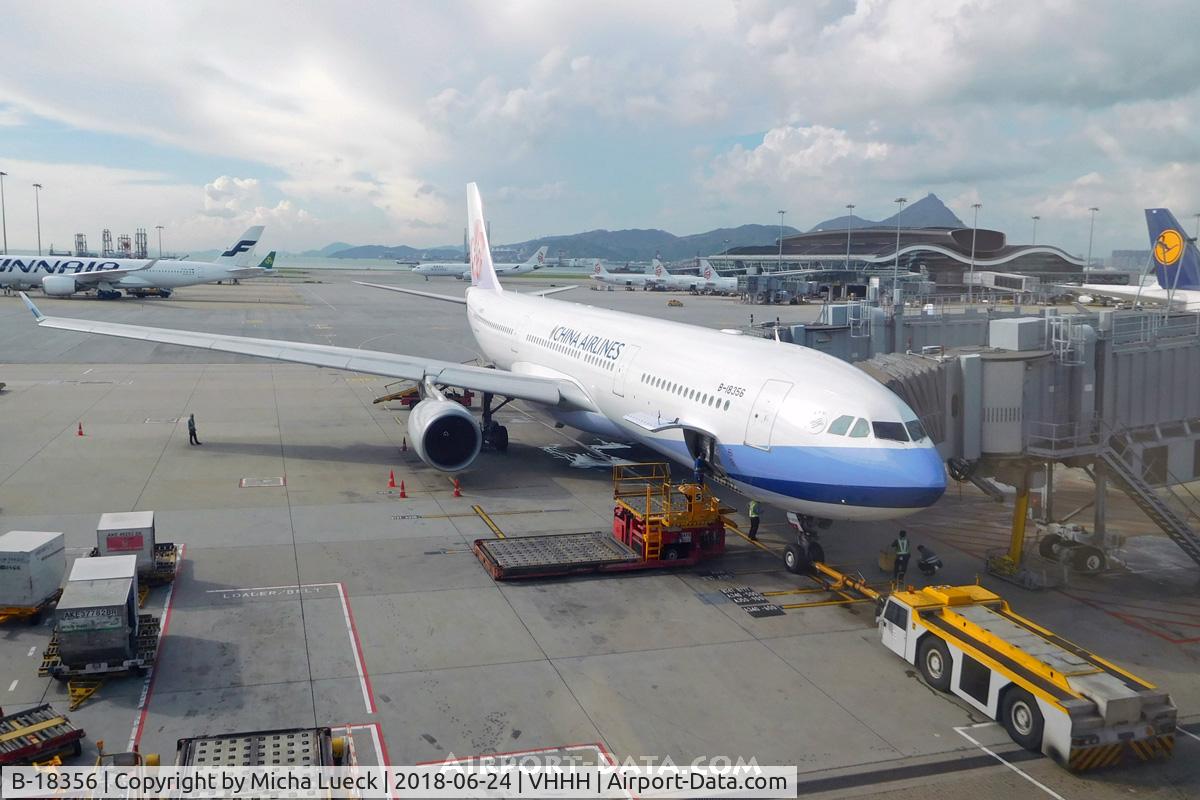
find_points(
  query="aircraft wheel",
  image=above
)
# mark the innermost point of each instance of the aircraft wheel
(1021, 717)
(793, 559)
(815, 552)
(165, 293)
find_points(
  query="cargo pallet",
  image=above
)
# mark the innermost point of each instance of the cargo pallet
(37, 734)
(290, 747)
(32, 614)
(147, 649)
(656, 525)
(166, 563)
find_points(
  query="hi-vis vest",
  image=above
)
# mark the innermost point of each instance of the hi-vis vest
(902, 546)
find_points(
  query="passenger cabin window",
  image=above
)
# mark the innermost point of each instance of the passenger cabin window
(840, 425)
(892, 431)
(861, 429)
(915, 430)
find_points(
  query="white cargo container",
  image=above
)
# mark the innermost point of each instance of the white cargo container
(97, 615)
(127, 533)
(32, 564)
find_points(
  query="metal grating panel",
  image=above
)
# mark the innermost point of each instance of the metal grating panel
(253, 483)
(288, 748)
(596, 547)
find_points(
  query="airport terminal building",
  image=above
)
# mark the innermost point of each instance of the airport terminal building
(940, 255)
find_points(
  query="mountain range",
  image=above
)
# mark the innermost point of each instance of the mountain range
(642, 244)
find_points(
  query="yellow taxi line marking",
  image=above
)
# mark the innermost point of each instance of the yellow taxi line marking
(483, 515)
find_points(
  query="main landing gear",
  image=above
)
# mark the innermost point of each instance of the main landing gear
(108, 294)
(495, 435)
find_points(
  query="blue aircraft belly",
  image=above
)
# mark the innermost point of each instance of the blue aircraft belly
(874, 477)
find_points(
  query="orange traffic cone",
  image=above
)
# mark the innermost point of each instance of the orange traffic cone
(457, 489)
(402, 492)
(391, 479)
(404, 445)
(79, 431)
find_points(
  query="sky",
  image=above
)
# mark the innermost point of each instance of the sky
(362, 122)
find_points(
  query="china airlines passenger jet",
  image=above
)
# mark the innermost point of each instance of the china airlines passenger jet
(784, 424)
(62, 277)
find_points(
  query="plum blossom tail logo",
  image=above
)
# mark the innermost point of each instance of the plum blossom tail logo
(1168, 247)
(541, 257)
(708, 273)
(478, 243)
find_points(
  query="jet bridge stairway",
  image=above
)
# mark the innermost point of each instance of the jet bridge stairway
(1151, 502)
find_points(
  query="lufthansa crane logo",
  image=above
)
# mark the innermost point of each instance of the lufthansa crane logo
(1168, 247)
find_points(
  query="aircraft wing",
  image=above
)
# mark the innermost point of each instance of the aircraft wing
(548, 391)
(1181, 299)
(103, 276)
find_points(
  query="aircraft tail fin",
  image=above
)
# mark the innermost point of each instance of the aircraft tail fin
(483, 272)
(657, 269)
(241, 252)
(598, 268)
(268, 263)
(1176, 260)
(538, 259)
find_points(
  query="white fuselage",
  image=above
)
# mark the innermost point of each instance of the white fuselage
(673, 282)
(637, 279)
(457, 269)
(1180, 299)
(767, 407)
(22, 272)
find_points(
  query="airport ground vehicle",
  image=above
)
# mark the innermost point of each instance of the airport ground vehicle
(293, 747)
(36, 735)
(656, 524)
(1050, 695)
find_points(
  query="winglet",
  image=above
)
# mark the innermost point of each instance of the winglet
(38, 315)
(483, 273)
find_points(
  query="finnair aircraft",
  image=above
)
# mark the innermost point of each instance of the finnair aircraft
(714, 282)
(462, 271)
(784, 424)
(1177, 268)
(63, 277)
(643, 280)
(668, 280)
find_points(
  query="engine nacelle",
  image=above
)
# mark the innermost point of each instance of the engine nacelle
(59, 285)
(445, 434)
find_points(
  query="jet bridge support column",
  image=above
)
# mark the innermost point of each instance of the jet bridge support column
(1048, 493)
(1016, 544)
(1100, 479)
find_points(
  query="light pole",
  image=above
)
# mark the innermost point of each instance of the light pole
(1091, 230)
(900, 201)
(849, 219)
(781, 213)
(3, 215)
(1196, 215)
(37, 205)
(974, 231)
(160, 229)
(1035, 219)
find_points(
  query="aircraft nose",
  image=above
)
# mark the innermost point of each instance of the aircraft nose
(927, 474)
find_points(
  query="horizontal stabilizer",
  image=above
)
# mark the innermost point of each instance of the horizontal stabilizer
(462, 301)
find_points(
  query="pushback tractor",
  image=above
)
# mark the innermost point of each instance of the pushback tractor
(1050, 695)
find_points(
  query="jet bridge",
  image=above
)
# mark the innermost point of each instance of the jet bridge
(1116, 393)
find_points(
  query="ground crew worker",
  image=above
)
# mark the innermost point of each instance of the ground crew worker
(192, 430)
(929, 562)
(900, 545)
(753, 513)
(698, 470)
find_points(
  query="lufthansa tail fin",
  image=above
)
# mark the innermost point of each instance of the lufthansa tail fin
(242, 252)
(483, 273)
(1176, 260)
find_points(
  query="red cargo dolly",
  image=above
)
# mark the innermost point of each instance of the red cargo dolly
(37, 734)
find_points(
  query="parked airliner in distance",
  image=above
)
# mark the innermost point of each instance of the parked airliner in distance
(1176, 269)
(463, 271)
(62, 277)
(665, 279)
(714, 282)
(643, 280)
(784, 424)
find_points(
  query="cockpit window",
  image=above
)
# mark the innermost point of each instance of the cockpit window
(861, 429)
(893, 431)
(915, 430)
(840, 425)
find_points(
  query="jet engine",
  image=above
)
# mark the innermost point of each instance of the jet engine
(59, 285)
(445, 434)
